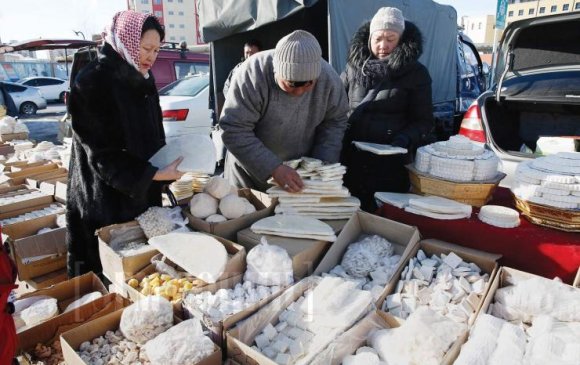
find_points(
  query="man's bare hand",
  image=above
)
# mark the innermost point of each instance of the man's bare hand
(169, 172)
(288, 179)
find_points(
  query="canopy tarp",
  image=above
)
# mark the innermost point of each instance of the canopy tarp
(229, 23)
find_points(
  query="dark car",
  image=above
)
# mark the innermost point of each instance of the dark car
(472, 75)
(535, 92)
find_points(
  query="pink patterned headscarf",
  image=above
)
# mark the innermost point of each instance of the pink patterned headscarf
(124, 35)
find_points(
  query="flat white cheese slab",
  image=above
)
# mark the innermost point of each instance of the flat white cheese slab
(197, 150)
(199, 254)
(293, 226)
(379, 149)
(399, 200)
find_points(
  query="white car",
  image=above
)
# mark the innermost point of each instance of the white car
(26, 99)
(185, 106)
(51, 88)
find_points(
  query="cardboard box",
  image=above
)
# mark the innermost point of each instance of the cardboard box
(355, 338)
(236, 265)
(49, 331)
(60, 191)
(305, 253)
(47, 280)
(21, 165)
(19, 177)
(486, 261)
(13, 136)
(6, 149)
(32, 202)
(217, 331)
(16, 213)
(36, 254)
(49, 186)
(34, 182)
(403, 237)
(9, 189)
(117, 268)
(505, 276)
(240, 339)
(68, 291)
(39, 254)
(71, 340)
(230, 228)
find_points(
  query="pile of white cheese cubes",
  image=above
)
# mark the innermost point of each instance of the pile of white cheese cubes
(446, 284)
(310, 323)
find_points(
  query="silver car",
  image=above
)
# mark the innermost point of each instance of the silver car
(27, 99)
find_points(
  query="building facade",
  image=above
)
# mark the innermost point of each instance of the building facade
(179, 17)
(479, 28)
(523, 9)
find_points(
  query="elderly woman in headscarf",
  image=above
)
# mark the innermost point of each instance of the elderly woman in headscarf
(389, 94)
(117, 124)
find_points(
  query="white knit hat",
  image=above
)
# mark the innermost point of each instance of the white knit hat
(388, 19)
(297, 57)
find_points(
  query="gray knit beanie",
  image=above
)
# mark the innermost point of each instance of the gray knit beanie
(297, 57)
(388, 19)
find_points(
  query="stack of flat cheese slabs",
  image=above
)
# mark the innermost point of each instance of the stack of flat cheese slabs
(296, 226)
(457, 159)
(499, 216)
(399, 200)
(323, 208)
(438, 208)
(552, 181)
(182, 188)
(199, 254)
(198, 180)
(323, 195)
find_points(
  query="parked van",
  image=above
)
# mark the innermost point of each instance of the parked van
(174, 64)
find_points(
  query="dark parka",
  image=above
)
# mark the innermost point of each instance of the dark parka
(117, 124)
(400, 113)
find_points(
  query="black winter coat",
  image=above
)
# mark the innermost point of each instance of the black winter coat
(117, 124)
(399, 114)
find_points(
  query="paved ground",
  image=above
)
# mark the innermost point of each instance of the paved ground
(44, 124)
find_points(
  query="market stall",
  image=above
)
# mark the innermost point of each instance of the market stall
(543, 251)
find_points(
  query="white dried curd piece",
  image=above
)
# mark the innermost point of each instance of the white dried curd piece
(499, 216)
(203, 205)
(208, 261)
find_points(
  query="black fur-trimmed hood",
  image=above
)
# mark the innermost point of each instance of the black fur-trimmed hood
(407, 52)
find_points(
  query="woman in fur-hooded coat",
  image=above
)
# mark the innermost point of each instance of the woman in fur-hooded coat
(117, 124)
(397, 109)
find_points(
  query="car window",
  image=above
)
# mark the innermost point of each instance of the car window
(183, 69)
(32, 82)
(15, 88)
(42, 82)
(52, 82)
(470, 57)
(190, 86)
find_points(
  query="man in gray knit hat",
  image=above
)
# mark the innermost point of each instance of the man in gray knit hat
(283, 104)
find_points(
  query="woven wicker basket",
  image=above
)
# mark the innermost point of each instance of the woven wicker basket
(472, 193)
(562, 219)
